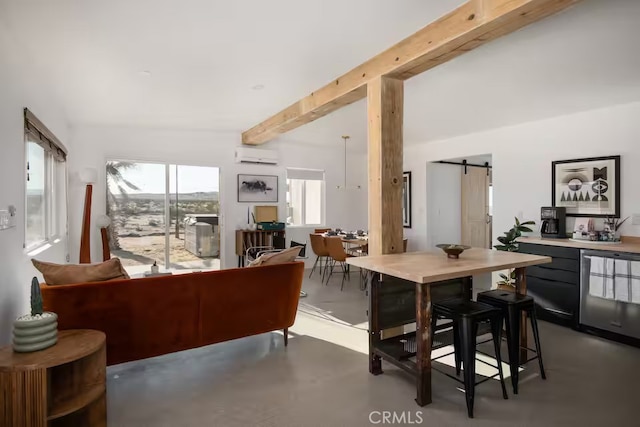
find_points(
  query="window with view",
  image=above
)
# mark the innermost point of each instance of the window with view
(305, 197)
(45, 199)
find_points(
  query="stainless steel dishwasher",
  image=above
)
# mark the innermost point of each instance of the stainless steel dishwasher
(609, 315)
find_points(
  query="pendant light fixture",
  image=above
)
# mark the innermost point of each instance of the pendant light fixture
(344, 186)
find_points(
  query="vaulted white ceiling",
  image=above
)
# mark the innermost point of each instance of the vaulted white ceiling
(206, 56)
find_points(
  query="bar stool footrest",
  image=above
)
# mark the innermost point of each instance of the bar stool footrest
(461, 381)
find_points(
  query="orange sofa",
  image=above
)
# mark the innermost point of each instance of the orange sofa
(157, 315)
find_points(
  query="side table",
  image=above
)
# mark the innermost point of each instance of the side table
(63, 385)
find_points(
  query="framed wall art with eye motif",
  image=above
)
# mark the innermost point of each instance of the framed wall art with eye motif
(587, 187)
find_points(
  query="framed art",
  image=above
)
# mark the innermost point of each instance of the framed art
(587, 187)
(257, 188)
(406, 199)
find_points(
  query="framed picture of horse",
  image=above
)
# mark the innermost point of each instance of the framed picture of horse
(257, 188)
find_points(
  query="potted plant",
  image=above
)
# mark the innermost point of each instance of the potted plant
(612, 225)
(38, 330)
(509, 243)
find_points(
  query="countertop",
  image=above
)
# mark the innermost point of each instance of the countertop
(628, 244)
(428, 267)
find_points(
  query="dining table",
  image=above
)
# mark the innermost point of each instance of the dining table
(349, 242)
(355, 242)
(402, 290)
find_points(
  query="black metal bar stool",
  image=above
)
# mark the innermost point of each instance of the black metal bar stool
(512, 305)
(466, 316)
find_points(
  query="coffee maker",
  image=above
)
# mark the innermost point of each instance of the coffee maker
(554, 222)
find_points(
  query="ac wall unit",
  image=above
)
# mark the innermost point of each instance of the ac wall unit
(256, 155)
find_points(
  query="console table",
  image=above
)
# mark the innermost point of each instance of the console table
(63, 385)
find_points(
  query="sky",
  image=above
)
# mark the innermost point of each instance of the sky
(36, 168)
(150, 178)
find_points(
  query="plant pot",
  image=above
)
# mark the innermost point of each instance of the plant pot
(33, 333)
(506, 288)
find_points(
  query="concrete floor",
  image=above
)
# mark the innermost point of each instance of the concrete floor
(322, 379)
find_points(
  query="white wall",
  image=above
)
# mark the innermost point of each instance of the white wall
(444, 192)
(93, 146)
(21, 85)
(522, 156)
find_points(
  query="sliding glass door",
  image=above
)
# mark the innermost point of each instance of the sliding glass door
(165, 214)
(194, 233)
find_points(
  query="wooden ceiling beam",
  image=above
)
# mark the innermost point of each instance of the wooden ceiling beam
(467, 27)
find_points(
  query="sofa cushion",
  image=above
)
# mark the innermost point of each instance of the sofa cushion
(67, 274)
(271, 258)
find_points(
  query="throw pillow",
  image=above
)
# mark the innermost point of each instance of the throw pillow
(66, 274)
(302, 245)
(286, 255)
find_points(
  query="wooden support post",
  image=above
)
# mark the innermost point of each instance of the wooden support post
(423, 342)
(385, 108)
(385, 98)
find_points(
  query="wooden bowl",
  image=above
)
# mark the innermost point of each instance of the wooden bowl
(453, 250)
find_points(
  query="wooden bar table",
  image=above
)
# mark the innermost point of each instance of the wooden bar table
(403, 293)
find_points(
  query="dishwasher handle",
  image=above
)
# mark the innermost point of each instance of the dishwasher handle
(589, 253)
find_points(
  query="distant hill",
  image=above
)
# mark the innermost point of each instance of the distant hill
(185, 197)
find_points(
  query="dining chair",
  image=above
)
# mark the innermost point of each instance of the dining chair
(303, 250)
(338, 255)
(322, 254)
(360, 250)
(321, 230)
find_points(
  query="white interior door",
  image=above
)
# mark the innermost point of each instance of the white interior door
(476, 221)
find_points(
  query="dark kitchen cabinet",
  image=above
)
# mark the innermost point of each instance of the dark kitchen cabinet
(555, 286)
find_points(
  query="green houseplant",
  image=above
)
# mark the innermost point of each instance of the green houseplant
(509, 243)
(38, 330)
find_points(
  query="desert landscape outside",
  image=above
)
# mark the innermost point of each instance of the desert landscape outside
(143, 232)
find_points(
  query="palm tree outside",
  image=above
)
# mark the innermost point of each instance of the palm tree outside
(116, 179)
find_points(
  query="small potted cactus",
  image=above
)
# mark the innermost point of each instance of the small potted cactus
(38, 330)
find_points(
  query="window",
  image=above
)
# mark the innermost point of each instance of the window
(305, 197)
(163, 213)
(45, 199)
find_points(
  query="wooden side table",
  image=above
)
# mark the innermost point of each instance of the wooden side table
(63, 385)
